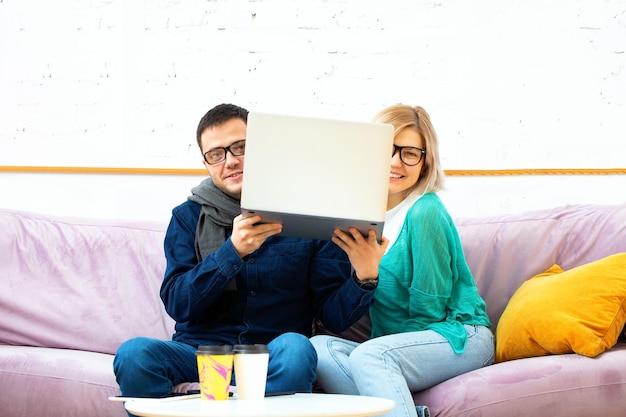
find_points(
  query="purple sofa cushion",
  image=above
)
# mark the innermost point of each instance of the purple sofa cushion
(82, 284)
(57, 382)
(504, 251)
(556, 386)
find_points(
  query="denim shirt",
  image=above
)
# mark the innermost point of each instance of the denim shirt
(281, 287)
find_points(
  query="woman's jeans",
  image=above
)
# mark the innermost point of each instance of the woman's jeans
(396, 365)
(146, 367)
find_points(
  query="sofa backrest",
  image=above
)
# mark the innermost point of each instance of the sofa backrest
(504, 251)
(91, 284)
(80, 283)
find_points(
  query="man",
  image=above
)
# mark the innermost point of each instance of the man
(231, 280)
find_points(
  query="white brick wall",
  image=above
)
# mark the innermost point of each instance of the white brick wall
(510, 84)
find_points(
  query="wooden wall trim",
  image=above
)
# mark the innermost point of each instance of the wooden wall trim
(189, 171)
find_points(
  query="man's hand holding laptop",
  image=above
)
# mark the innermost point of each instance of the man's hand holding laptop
(249, 234)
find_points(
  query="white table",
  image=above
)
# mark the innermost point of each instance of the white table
(295, 405)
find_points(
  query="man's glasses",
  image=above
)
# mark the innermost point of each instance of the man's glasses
(216, 155)
(410, 155)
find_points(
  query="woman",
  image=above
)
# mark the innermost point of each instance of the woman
(428, 321)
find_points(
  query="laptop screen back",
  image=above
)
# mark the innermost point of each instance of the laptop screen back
(314, 174)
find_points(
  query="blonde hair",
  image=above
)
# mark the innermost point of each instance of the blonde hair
(402, 116)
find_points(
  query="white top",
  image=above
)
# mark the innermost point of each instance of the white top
(395, 218)
(295, 405)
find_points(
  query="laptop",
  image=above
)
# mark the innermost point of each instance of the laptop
(314, 175)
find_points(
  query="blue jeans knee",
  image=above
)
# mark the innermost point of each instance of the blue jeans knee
(292, 364)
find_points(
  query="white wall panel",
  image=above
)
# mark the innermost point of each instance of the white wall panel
(509, 84)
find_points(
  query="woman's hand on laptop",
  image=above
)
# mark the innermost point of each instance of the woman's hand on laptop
(249, 234)
(364, 253)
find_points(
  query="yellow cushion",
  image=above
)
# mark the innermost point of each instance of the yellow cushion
(582, 311)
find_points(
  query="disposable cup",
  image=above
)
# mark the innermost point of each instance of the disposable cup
(251, 370)
(215, 368)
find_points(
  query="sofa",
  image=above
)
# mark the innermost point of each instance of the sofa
(73, 289)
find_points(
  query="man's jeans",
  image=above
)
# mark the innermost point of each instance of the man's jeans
(146, 367)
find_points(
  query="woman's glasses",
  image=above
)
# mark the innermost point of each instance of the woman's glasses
(410, 155)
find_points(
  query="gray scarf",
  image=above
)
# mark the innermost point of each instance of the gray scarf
(216, 218)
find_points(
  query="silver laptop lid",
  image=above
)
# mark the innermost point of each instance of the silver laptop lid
(314, 174)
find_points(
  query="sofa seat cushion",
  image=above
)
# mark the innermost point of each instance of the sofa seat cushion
(556, 385)
(581, 310)
(48, 382)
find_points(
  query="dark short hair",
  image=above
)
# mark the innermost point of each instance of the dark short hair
(218, 115)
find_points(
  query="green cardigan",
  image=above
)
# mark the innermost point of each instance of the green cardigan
(425, 282)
